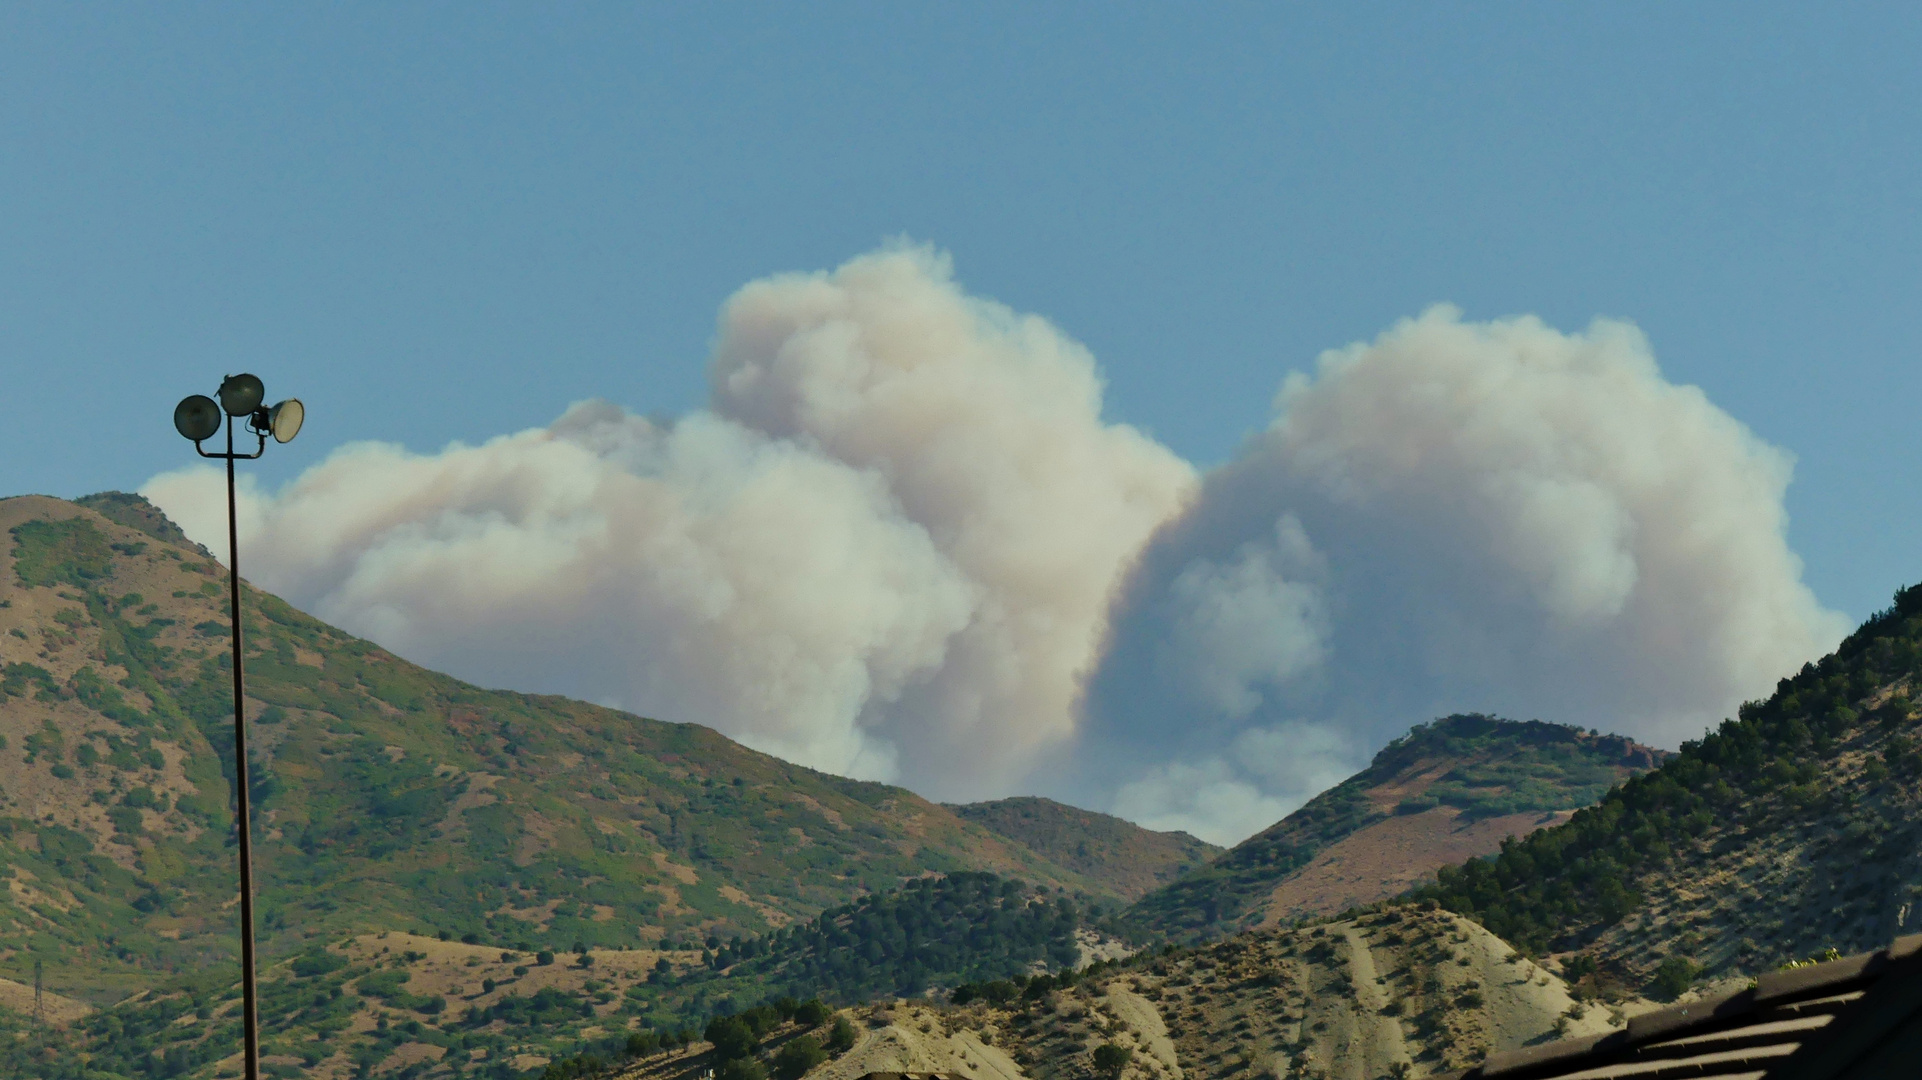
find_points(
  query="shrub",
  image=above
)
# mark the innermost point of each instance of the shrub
(740, 1069)
(1110, 1059)
(308, 965)
(732, 1038)
(642, 1043)
(840, 1037)
(797, 1057)
(1673, 977)
(811, 1013)
(544, 957)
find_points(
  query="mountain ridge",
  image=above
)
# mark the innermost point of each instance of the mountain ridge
(1131, 859)
(1451, 788)
(387, 796)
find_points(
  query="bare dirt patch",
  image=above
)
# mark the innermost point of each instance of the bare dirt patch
(1391, 856)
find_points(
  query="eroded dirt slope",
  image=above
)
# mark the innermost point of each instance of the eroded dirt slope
(1449, 790)
(1401, 992)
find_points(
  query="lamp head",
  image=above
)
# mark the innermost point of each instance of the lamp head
(283, 420)
(197, 417)
(241, 394)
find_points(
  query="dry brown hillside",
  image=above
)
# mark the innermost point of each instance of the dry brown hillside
(1404, 992)
(1447, 791)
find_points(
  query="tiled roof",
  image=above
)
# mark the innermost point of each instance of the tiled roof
(1859, 1018)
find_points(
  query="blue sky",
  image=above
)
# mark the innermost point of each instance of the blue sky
(440, 222)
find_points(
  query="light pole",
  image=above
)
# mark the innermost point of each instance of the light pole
(198, 418)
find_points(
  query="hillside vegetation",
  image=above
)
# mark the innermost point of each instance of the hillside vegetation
(933, 933)
(1401, 992)
(388, 797)
(1129, 860)
(1791, 829)
(407, 1005)
(1447, 790)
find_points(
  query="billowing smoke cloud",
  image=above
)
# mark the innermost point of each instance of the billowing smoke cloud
(887, 549)
(1490, 517)
(901, 543)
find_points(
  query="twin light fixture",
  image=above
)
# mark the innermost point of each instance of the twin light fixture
(198, 418)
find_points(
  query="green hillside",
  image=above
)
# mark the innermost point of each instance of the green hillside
(932, 932)
(1477, 766)
(388, 797)
(1128, 859)
(1791, 829)
(374, 1003)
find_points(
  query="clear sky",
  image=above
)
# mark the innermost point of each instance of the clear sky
(448, 221)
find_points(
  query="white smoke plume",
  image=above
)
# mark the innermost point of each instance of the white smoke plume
(902, 543)
(1455, 517)
(886, 550)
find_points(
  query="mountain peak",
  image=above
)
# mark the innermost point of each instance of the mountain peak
(1451, 789)
(135, 512)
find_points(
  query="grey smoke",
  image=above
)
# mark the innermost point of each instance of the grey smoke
(902, 543)
(1455, 516)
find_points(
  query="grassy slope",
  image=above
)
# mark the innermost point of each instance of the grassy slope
(1480, 766)
(1127, 858)
(1794, 828)
(389, 797)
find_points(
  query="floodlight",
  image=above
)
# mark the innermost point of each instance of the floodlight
(284, 419)
(241, 394)
(197, 417)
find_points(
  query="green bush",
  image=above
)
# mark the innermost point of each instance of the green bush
(812, 1013)
(840, 1037)
(740, 1069)
(1673, 977)
(732, 1038)
(308, 965)
(797, 1057)
(1110, 1059)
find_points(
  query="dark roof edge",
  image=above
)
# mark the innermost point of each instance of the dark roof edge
(1770, 989)
(1845, 1049)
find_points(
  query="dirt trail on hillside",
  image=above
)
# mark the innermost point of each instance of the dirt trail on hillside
(1380, 1047)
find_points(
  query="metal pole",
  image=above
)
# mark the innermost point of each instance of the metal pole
(250, 1016)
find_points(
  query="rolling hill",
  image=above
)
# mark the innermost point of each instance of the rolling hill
(1129, 860)
(1449, 790)
(388, 797)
